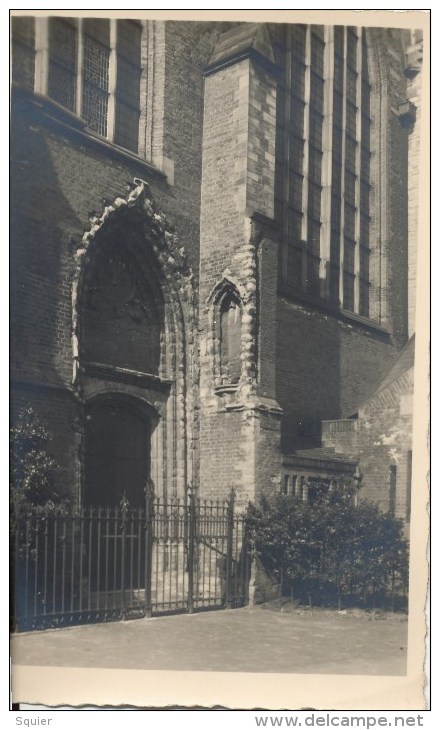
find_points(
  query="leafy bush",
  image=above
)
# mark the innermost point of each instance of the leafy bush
(330, 549)
(36, 492)
(34, 473)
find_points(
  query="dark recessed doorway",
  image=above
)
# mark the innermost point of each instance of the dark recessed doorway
(117, 454)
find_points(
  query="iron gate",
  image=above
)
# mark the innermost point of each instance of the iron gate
(104, 564)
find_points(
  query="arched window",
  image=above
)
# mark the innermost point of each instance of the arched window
(230, 339)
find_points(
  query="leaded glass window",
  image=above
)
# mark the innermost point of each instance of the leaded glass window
(92, 68)
(23, 51)
(335, 106)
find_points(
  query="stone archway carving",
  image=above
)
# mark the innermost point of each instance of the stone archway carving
(157, 251)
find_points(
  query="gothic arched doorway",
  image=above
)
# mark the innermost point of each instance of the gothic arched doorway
(132, 301)
(117, 453)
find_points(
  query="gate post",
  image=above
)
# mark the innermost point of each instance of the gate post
(191, 545)
(149, 537)
(230, 537)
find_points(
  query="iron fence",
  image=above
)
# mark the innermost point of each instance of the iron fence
(103, 564)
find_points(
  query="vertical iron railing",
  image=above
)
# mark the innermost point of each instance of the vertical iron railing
(148, 563)
(191, 546)
(103, 564)
(230, 537)
(124, 506)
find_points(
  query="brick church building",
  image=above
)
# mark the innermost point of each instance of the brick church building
(214, 235)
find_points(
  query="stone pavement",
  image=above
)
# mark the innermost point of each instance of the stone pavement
(240, 640)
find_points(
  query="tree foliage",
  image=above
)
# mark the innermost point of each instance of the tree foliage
(330, 549)
(34, 472)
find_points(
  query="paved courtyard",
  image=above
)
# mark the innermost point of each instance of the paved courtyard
(242, 640)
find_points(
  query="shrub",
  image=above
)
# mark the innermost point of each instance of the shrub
(34, 473)
(330, 549)
(36, 493)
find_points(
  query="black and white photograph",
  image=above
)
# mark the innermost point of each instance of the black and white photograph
(219, 358)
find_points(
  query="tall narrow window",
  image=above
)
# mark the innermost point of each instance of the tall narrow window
(296, 74)
(23, 51)
(96, 74)
(392, 489)
(230, 339)
(364, 203)
(316, 114)
(127, 84)
(351, 142)
(63, 50)
(337, 160)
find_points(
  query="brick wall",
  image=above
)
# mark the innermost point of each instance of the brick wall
(385, 439)
(267, 350)
(324, 370)
(261, 142)
(239, 441)
(388, 169)
(58, 181)
(187, 47)
(60, 177)
(396, 173)
(267, 475)
(223, 172)
(380, 438)
(227, 448)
